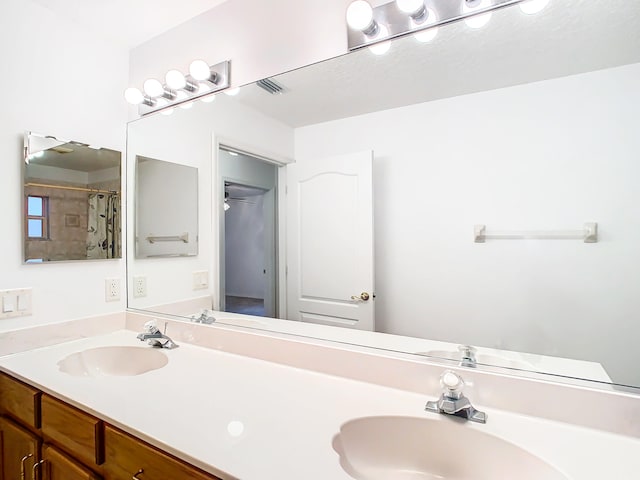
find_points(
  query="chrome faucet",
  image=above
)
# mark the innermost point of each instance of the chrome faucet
(467, 356)
(205, 317)
(154, 337)
(453, 402)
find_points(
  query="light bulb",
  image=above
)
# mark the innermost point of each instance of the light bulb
(411, 7)
(531, 7)
(153, 88)
(175, 79)
(232, 92)
(133, 96)
(382, 47)
(477, 21)
(429, 34)
(360, 15)
(199, 69)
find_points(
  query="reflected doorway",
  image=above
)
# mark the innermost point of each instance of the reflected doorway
(248, 234)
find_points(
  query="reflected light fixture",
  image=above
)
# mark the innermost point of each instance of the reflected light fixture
(382, 47)
(531, 7)
(180, 89)
(476, 21)
(360, 17)
(232, 92)
(429, 34)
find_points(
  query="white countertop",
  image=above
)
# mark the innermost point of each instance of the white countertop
(290, 415)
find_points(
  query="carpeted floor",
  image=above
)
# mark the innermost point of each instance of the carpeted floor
(248, 306)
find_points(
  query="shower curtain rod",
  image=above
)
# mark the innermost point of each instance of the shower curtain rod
(80, 189)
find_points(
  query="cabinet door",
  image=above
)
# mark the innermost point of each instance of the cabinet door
(57, 466)
(15, 444)
(129, 457)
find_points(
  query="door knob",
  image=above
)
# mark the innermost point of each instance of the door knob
(364, 296)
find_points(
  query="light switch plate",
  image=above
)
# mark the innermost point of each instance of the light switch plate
(15, 302)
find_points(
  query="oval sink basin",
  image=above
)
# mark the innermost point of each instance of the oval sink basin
(118, 361)
(482, 358)
(412, 448)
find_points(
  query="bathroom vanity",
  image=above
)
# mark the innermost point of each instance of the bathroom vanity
(232, 403)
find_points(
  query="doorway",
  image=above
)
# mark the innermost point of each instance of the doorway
(248, 236)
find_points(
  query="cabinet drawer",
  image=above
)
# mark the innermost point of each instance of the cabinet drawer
(20, 401)
(74, 431)
(126, 455)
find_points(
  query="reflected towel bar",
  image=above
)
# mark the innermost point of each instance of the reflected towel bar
(175, 238)
(589, 234)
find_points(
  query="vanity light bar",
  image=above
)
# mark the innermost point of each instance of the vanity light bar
(390, 19)
(167, 98)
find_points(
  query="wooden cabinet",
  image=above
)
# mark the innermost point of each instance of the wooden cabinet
(127, 456)
(20, 401)
(58, 466)
(68, 444)
(19, 451)
(72, 430)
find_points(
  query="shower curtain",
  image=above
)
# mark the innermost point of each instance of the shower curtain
(103, 232)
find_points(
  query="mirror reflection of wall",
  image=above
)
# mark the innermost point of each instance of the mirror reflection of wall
(71, 201)
(166, 209)
(533, 133)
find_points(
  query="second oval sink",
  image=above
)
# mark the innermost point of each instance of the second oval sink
(119, 361)
(414, 448)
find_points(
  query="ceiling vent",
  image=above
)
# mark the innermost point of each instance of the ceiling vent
(271, 86)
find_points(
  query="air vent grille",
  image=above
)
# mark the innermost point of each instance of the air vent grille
(271, 86)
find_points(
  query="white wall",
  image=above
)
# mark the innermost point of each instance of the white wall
(547, 155)
(57, 79)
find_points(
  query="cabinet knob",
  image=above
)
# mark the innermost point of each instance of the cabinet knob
(135, 475)
(22, 471)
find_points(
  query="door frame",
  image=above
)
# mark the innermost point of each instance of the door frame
(217, 261)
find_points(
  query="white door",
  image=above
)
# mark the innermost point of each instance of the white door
(330, 241)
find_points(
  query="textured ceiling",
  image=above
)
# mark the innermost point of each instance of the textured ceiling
(129, 22)
(568, 37)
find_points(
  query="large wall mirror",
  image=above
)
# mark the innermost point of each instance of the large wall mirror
(72, 199)
(525, 125)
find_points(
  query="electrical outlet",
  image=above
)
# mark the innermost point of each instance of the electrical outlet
(112, 289)
(139, 286)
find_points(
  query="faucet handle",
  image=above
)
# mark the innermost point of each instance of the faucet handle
(467, 350)
(151, 327)
(452, 383)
